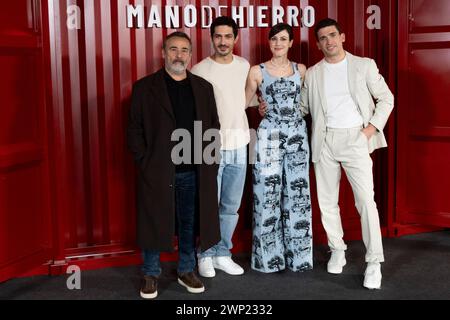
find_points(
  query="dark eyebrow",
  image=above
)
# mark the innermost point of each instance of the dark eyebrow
(223, 34)
(175, 47)
(330, 34)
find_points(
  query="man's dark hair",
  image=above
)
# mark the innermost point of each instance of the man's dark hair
(280, 27)
(328, 22)
(224, 21)
(177, 34)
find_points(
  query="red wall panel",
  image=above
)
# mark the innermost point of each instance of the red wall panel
(423, 175)
(25, 221)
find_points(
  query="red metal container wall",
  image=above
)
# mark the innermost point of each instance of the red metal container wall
(91, 72)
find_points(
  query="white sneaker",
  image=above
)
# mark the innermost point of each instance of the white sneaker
(372, 276)
(337, 262)
(228, 265)
(206, 268)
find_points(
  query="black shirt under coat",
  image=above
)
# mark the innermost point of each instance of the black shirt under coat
(183, 105)
(151, 124)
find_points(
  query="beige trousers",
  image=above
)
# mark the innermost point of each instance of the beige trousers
(349, 148)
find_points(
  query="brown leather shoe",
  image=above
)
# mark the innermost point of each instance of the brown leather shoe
(191, 282)
(149, 287)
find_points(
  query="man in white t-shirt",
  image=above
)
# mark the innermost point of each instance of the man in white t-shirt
(347, 126)
(227, 73)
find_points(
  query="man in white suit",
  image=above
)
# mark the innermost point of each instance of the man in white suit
(347, 126)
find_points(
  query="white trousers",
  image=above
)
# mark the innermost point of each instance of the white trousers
(349, 148)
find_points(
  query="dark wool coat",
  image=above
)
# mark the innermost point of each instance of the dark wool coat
(151, 124)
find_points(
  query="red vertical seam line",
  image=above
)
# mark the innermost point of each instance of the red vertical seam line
(48, 48)
(91, 145)
(36, 55)
(332, 9)
(159, 35)
(51, 226)
(296, 54)
(85, 224)
(260, 40)
(401, 99)
(346, 18)
(244, 37)
(125, 85)
(112, 198)
(392, 195)
(30, 14)
(113, 113)
(305, 40)
(150, 46)
(238, 48)
(56, 97)
(183, 27)
(164, 30)
(103, 187)
(380, 35)
(125, 54)
(314, 54)
(65, 107)
(376, 49)
(390, 38)
(207, 47)
(192, 34)
(141, 52)
(359, 28)
(401, 134)
(40, 135)
(115, 52)
(113, 97)
(75, 111)
(198, 38)
(157, 38)
(134, 62)
(76, 131)
(372, 35)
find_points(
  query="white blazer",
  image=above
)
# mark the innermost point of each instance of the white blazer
(365, 84)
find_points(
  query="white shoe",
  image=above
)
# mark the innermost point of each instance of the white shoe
(337, 262)
(228, 265)
(372, 276)
(206, 268)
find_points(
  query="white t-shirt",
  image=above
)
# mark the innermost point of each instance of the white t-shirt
(342, 112)
(228, 81)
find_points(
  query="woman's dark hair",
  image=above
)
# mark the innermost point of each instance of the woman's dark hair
(280, 27)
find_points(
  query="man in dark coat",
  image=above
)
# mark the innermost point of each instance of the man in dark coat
(175, 189)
